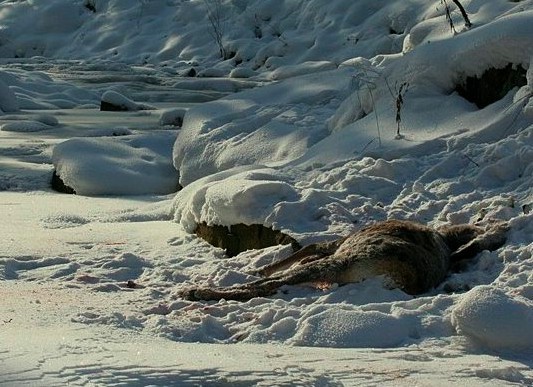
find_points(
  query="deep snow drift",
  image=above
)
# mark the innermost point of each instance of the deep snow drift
(327, 116)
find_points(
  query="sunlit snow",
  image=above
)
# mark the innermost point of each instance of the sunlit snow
(301, 130)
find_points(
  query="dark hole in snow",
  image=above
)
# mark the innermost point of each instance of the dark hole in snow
(393, 31)
(493, 85)
(258, 32)
(229, 55)
(60, 186)
(241, 237)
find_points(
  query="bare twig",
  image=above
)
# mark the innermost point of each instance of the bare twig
(470, 159)
(365, 77)
(449, 16)
(398, 94)
(216, 23)
(468, 24)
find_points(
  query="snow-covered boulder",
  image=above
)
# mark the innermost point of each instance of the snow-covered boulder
(247, 195)
(28, 122)
(242, 72)
(114, 101)
(173, 117)
(126, 165)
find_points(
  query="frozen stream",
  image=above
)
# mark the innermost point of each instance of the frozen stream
(25, 155)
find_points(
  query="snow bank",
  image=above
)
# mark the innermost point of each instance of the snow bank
(258, 34)
(495, 319)
(37, 90)
(321, 125)
(259, 126)
(126, 165)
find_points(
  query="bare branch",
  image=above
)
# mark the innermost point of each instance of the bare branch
(216, 23)
(468, 24)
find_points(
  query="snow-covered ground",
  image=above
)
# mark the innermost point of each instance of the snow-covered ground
(297, 130)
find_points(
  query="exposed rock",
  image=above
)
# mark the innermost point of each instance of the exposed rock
(109, 107)
(493, 85)
(173, 117)
(240, 237)
(59, 185)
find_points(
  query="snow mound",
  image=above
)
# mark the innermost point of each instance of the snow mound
(126, 165)
(352, 329)
(112, 100)
(24, 126)
(248, 195)
(258, 126)
(37, 90)
(8, 100)
(495, 319)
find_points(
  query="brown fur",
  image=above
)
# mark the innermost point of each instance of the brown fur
(414, 257)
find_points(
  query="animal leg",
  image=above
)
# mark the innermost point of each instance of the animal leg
(260, 288)
(493, 238)
(306, 254)
(325, 271)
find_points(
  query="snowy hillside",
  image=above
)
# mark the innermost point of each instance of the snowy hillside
(311, 117)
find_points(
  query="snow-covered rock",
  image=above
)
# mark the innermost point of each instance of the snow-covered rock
(173, 117)
(114, 101)
(126, 165)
